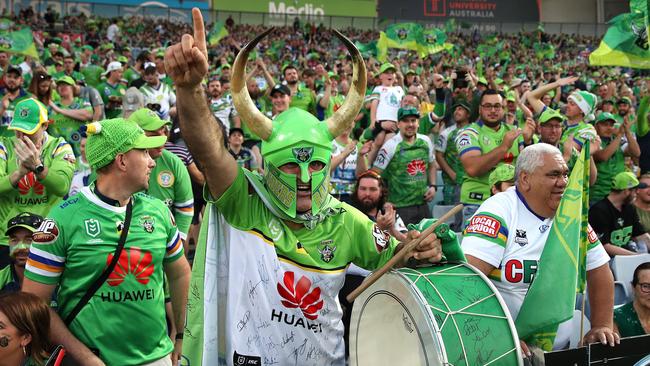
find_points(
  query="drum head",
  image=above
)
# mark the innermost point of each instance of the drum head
(395, 329)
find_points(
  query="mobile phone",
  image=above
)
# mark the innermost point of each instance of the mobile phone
(460, 81)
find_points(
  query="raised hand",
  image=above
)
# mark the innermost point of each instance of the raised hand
(187, 62)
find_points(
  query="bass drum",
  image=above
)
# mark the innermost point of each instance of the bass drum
(446, 314)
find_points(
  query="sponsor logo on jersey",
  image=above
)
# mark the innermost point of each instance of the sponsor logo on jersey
(520, 237)
(244, 360)
(415, 167)
(520, 271)
(463, 140)
(484, 225)
(46, 233)
(119, 225)
(591, 235)
(620, 221)
(132, 261)
(275, 228)
(147, 223)
(327, 250)
(381, 238)
(300, 295)
(381, 157)
(165, 179)
(543, 228)
(29, 182)
(93, 228)
(303, 154)
(70, 158)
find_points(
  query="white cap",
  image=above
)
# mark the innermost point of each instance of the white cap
(115, 65)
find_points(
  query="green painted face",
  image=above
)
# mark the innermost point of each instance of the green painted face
(298, 137)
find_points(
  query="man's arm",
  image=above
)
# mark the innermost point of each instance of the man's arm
(483, 266)
(178, 274)
(187, 65)
(606, 153)
(600, 284)
(195, 174)
(535, 96)
(442, 162)
(59, 333)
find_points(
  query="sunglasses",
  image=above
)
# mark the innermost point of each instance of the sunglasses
(154, 107)
(26, 219)
(44, 77)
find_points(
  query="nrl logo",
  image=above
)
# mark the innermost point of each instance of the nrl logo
(303, 154)
(327, 251)
(5, 42)
(641, 33)
(147, 223)
(24, 112)
(402, 33)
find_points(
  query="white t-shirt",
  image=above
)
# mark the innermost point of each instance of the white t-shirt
(505, 233)
(390, 98)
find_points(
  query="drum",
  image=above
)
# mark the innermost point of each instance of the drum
(445, 314)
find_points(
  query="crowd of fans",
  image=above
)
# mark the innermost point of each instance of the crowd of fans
(442, 130)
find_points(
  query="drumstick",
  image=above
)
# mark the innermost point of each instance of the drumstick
(401, 254)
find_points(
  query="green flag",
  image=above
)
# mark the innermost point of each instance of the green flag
(562, 266)
(626, 42)
(367, 49)
(217, 33)
(544, 50)
(19, 42)
(450, 25)
(433, 41)
(401, 35)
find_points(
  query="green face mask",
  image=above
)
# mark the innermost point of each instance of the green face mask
(299, 138)
(20, 246)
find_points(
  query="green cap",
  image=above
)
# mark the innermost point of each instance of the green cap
(550, 114)
(411, 72)
(147, 119)
(407, 111)
(462, 103)
(605, 116)
(385, 67)
(108, 138)
(87, 47)
(123, 59)
(502, 173)
(510, 97)
(334, 75)
(29, 115)
(609, 100)
(624, 100)
(625, 180)
(25, 220)
(483, 80)
(498, 81)
(65, 79)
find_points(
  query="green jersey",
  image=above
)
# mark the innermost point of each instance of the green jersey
(446, 145)
(9, 113)
(279, 280)
(112, 97)
(170, 182)
(68, 127)
(607, 170)
(479, 137)
(304, 99)
(131, 74)
(581, 132)
(31, 194)
(405, 166)
(336, 101)
(125, 319)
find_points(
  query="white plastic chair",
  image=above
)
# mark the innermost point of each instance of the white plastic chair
(623, 267)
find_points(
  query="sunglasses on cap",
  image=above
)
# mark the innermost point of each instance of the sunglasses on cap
(154, 107)
(44, 77)
(369, 174)
(27, 219)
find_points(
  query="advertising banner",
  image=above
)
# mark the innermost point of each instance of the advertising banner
(312, 8)
(466, 10)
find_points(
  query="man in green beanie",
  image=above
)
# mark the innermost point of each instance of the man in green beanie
(169, 180)
(35, 168)
(124, 322)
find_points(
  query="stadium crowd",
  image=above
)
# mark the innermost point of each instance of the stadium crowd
(434, 131)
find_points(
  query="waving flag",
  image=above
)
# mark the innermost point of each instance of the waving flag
(20, 42)
(562, 266)
(217, 33)
(626, 42)
(433, 41)
(401, 35)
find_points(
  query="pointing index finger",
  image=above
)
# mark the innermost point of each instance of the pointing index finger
(199, 30)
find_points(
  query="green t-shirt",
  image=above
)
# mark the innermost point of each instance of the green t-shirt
(108, 91)
(125, 319)
(478, 136)
(644, 218)
(406, 169)
(6, 276)
(336, 101)
(445, 143)
(32, 195)
(170, 182)
(304, 99)
(607, 170)
(131, 74)
(9, 113)
(627, 321)
(68, 127)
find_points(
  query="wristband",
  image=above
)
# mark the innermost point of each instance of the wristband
(179, 336)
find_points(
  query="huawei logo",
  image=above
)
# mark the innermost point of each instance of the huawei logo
(415, 167)
(132, 261)
(26, 183)
(299, 295)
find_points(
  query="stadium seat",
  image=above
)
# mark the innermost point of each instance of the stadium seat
(574, 340)
(623, 267)
(621, 296)
(439, 185)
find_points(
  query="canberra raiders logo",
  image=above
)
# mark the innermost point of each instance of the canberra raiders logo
(303, 154)
(327, 250)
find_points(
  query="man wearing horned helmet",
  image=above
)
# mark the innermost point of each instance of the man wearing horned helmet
(273, 249)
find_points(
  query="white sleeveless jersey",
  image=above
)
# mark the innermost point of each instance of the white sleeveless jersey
(390, 98)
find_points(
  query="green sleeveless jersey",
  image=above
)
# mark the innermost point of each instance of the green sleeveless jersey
(125, 319)
(479, 137)
(67, 127)
(405, 166)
